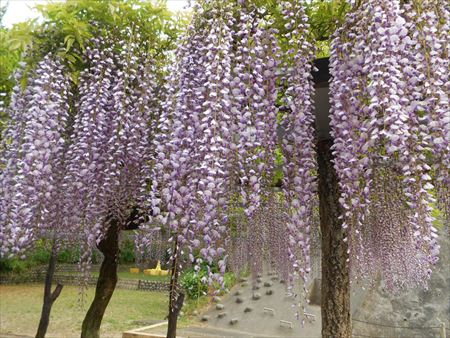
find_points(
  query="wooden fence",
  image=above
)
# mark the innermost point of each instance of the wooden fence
(38, 276)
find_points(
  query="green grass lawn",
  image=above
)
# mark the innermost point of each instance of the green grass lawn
(20, 307)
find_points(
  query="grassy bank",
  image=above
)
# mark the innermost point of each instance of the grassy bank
(20, 307)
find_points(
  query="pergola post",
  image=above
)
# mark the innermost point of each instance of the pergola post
(335, 289)
(335, 280)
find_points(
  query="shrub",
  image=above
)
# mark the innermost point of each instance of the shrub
(194, 288)
(126, 254)
(192, 284)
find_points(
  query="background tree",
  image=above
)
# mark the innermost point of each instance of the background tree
(12, 43)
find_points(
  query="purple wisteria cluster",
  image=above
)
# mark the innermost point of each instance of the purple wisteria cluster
(262, 241)
(426, 66)
(215, 150)
(110, 148)
(389, 113)
(189, 173)
(277, 243)
(226, 88)
(33, 159)
(68, 170)
(254, 94)
(202, 162)
(255, 90)
(278, 225)
(298, 145)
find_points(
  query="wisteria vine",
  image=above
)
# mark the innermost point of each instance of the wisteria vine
(298, 144)
(389, 113)
(111, 145)
(70, 165)
(33, 159)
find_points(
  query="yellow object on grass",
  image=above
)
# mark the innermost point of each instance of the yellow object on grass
(134, 270)
(156, 271)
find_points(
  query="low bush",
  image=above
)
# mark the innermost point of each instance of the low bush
(40, 255)
(191, 281)
(126, 254)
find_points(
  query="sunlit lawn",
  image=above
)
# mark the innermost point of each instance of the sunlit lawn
(20, 307)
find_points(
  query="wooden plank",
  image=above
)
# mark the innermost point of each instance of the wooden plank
(133, 334)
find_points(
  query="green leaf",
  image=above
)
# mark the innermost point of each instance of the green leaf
(69, 40)
(70, 58)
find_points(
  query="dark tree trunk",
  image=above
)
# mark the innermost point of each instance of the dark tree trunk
(49, 296)
(173, 316)
(107, 280)
(336, 318)
(175, 303)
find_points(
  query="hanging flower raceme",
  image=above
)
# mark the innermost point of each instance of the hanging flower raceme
(277, 236)
(261, 242)
(425, 66)
(33, 158)
(254, 109)
(10, 156)
(110, 148)
(380, 146)
(254, 137)
(215, 142)
(189, 179)
(298, 142)
(148, 245)
(227, 88)
(237, 245)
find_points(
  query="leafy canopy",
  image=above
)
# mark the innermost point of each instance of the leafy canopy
(67, 28)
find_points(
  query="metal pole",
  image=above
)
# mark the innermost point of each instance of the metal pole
(443, 335)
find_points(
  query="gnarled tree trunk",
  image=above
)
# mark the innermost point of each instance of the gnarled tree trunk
(107, 280)
(336, 317)
(49, 296)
